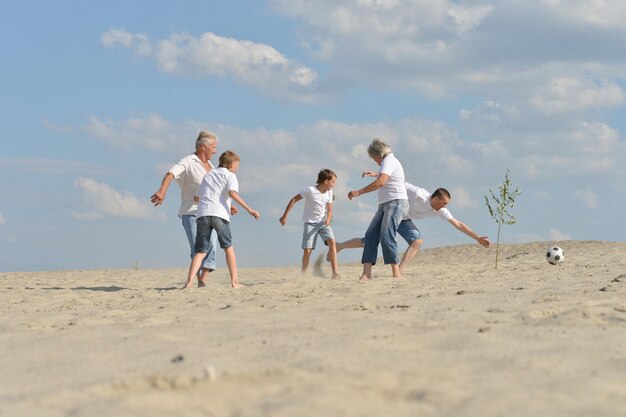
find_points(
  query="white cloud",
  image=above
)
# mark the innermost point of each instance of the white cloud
(443, 48)
(605, 13)
(255, 64)
(137, 42)
(52, 166)
(414, 20)
(554, 234)
(146, 132)
(101, 200)
(3, 221)
(461, 198)
(543, 145)
(573, 94)
(432, 152)
(588, 197)
(527, 237)
(56, 128)
(468, 18)
(596, 138)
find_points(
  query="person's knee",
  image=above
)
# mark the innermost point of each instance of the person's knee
(416, 243)
(331, 243)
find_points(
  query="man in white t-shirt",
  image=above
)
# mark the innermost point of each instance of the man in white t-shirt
(422, 204)
(188, 172)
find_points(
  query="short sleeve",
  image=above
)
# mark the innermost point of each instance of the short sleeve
(233, 183)
(388, 165)
(445, 214)
(306, 191)
(178, 169)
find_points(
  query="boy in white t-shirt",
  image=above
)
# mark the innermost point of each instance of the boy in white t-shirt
(317, 215)
(217, 190)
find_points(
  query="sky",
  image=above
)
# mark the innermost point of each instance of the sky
(100, 99)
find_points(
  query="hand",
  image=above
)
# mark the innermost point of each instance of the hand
(157, 198)
(369, 174)
(327, 222)
(233, 210)
(255, 214)
(484, 241)
(283, 220)
(353, 194)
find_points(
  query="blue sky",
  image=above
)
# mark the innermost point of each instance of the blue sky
(100, 99)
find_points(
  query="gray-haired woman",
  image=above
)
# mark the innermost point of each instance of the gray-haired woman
(393, 204)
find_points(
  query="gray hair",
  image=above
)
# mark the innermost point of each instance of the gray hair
(206, 138)
(378, 148)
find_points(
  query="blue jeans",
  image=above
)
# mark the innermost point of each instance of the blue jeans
(189, 224)
(409, 231)
(383, 230)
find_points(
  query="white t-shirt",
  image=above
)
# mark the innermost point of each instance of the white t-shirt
(315, 204)
(213, 193)
(419, 205)
(394, 187)
(188, 173)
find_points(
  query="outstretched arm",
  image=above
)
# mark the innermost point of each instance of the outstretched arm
(290, 205)
(482, 240)
(373, 186)
(235, 196)
(158, 197)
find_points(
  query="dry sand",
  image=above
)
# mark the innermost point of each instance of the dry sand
(455, 337)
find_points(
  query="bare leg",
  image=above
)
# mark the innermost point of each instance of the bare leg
(348, 244)
(196, 261)
(306, 255)
(231, 262)
(367, 272)
(202, 276)
(395, 271)
(332, 254)
(410, 253)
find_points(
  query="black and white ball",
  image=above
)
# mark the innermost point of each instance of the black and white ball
(555, 255)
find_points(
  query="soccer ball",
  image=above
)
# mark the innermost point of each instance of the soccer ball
(555, 255)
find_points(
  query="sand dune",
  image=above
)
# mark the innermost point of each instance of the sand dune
(455, 337)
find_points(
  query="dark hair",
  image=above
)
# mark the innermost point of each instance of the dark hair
(325, 174)
(227, 159)
(440, 192)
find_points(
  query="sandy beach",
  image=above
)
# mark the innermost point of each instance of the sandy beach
(454, 337)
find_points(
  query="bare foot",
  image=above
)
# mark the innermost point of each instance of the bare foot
(237, 285)
(202, 276)
(364, 278)
(187, 285)
(335, 276)
(395, 271)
